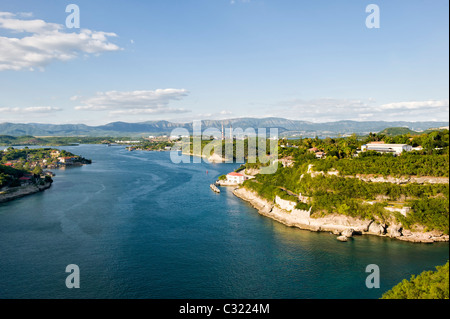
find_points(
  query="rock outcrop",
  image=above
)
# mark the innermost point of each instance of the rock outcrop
(23, 191)
(402, 180)
(348, 232)
(344, 226)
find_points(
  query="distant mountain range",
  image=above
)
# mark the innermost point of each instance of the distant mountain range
(285, 127)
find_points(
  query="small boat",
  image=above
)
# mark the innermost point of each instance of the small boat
(215, 188)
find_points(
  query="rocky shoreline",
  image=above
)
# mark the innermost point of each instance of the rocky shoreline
(342, 226)
(22, 191)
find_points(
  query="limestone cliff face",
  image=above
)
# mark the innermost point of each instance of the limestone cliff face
(289, 207)
(402, 180)
(284, 212)
(381, 179)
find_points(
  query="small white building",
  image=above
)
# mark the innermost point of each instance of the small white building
(235, 178)
(381, 147)
(66, 160)
(321, 155)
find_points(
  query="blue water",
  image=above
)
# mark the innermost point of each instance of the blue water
(140, 226)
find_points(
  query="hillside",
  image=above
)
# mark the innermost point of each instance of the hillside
(395, 131)
(427, 285)
(374, 193)
(285, 127)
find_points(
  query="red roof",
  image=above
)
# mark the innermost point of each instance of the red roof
(234, 174)
(8, 164)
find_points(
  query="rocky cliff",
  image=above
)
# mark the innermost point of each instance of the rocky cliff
(343, 226)
(22, 191)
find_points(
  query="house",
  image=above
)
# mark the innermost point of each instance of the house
(320, 154)
(66, 160)
(382, 147)
(235, 178)
(55, 153)
(25, 179)
(286, 161)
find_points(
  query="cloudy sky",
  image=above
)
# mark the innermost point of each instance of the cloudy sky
(140, 60)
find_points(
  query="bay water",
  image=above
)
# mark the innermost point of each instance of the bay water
(140, 226)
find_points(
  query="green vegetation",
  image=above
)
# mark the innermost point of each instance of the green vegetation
(395, 131)
(348, 196)
(153, 145)
(27, 165)
(387, 164)
(341, 194)
(433, 213)
(433, 143)
(10, 176)
(27, 158)
(427, 285)
(7, 140)
(238, 150)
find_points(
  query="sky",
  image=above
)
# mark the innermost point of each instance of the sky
(185, 60)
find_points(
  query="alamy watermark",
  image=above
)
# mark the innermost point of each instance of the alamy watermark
(373, 280)
(231, 145)
(373, 19)
(73, 280)
(73, 19)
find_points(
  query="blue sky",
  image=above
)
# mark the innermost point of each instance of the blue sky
(178, 60)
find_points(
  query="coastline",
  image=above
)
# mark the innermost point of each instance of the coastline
(340, 225)
(22, 191)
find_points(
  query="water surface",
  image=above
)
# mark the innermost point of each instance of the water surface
(139, 226)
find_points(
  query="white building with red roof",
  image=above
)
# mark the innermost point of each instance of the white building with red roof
(235, 178)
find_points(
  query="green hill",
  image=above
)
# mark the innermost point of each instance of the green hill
(427, 285)
(394, 131)
(8, 175)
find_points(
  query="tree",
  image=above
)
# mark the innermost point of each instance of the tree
(37, 170)
(428, 285)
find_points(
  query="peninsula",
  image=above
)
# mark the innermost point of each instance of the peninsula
(26, 171)
(350, 186)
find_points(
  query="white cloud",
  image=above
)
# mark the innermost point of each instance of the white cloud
(42, 109)
(32, 109)
(330, 109)
(43, 42)
(133, 102)
(415, 105)
(9, 110)
(234, 1)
